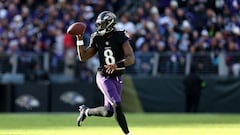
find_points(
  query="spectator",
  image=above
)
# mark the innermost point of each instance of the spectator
(166, 21)
(174, 57)
(193, 86)
(5, 63)
(233, 61)
(126, 24)
(200, 19)
(180, 15)
(13, 47)
(157, 44)
(39, 22)
(233, 5)
(203, 43)
(144, 64)
(174, 7)
(236, 35)
(186, 37)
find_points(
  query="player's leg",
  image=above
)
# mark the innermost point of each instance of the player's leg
(119, 115)
(102, 111)
(104, 85)
(84, 112)
(108, 88)
(112, 89)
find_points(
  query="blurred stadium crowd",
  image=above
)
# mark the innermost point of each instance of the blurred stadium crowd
(169, 27)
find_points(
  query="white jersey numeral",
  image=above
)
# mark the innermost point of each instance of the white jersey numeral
(109, 58)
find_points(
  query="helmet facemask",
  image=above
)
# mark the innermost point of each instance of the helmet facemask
(105, 23)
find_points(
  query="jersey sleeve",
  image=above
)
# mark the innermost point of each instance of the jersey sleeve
(123, 36)
(92, 42)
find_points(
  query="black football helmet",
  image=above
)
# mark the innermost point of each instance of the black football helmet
(105, 22)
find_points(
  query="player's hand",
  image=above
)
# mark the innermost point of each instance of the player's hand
(79, 37)
(110, 68)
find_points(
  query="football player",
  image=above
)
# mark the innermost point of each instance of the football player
(115, 53)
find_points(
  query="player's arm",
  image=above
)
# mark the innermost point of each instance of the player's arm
(84, 54)
(128, 54)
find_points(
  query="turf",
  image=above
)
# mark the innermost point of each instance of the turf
(140, 124)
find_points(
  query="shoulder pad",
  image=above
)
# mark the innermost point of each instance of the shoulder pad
(93, 34)
(120, 29)
(125, 33)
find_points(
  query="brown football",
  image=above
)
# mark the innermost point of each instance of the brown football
(76, 28)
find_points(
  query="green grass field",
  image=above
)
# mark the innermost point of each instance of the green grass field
(140, 124)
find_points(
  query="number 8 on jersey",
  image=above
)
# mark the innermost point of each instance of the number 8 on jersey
(109, 58)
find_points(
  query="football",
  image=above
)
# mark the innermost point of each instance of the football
(76, 28)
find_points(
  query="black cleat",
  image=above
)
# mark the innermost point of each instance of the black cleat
(82, 115)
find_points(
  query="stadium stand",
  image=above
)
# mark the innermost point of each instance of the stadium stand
(172, 33)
